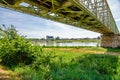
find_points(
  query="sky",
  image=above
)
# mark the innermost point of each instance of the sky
(36, 27)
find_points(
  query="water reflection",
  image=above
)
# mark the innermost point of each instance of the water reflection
(70, 44)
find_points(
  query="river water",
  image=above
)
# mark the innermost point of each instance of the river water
(70, 44)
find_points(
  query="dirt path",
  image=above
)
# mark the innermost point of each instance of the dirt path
(113, 53)
(7, 74)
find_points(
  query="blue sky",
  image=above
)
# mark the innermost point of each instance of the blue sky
(36, 27)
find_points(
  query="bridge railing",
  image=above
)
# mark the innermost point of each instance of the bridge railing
(102, 12)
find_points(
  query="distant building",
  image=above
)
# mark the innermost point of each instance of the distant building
(49, 37)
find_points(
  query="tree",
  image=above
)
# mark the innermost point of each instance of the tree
(57, 38)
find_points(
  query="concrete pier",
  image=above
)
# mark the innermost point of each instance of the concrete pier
(110, 40)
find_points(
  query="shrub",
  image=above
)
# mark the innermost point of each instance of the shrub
(43, 62)
(14, 49)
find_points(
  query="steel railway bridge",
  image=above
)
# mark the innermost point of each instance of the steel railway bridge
(94, 15)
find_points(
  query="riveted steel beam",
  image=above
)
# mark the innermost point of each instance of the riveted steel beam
(94, 15)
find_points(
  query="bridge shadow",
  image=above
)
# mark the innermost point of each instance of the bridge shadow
(113, 51)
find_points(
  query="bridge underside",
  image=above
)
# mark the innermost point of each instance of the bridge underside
(93, 15)
(65, 11)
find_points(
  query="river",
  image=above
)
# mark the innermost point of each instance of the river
(70, 44)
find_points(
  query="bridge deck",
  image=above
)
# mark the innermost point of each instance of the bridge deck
(92, 15)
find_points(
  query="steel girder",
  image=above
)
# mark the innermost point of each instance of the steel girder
(94, 15)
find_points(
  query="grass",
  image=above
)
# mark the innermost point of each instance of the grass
(113, 50)
(83, 63)
(79, 50)
(28, 62)
(73, 63)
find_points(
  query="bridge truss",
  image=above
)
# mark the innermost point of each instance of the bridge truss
(94, 15)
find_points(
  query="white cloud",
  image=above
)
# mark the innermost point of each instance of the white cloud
(117, 20)
(115, 8)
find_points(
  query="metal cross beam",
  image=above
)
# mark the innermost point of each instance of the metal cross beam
(94, 15)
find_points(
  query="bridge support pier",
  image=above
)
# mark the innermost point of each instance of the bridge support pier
(110, 40)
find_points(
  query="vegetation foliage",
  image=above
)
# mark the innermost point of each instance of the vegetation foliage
(36, 63)
(14, 49)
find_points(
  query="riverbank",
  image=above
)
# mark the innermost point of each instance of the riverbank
(79, 63)
(64, 40)
(84, 49)
(35, 62)
(78, 40)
